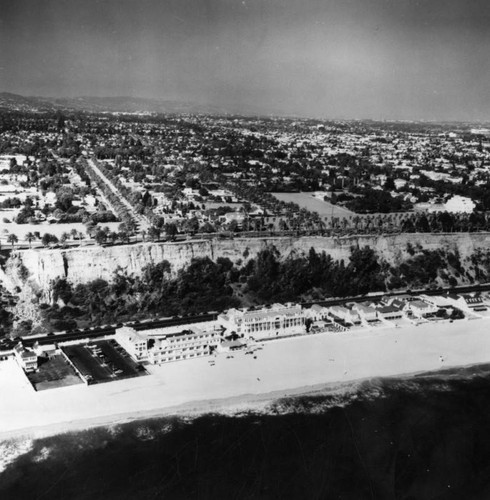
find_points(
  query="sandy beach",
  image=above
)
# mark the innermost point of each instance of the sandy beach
(282, 367)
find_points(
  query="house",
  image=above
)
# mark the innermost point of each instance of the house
(420, 308)
(317, 312)
(436, 300)
(268, 322)
(366, 312)
(345, 314)
(26, 358)
(390, 312)
(237, 217)
(468, 302)
(403, 305)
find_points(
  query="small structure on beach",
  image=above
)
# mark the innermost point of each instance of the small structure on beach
(231, 345)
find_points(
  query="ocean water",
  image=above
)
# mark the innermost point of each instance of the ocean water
(426, 437)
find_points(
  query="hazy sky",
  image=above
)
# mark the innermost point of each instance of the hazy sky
(402, 59)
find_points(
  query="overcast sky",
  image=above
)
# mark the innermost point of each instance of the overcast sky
(395, 59)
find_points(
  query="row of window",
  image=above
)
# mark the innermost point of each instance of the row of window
(190, 337)
(178, 357)
(164, 351)
(275, 318)
(264, 327)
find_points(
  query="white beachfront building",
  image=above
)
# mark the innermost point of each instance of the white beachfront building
(366, 312)
(135, 343)
(345, 314)
(26, 358)
(389, 312)
(164, 345)
(187, 344)
(421, 308)
(467, 302)
(269, 322)
(317, 312)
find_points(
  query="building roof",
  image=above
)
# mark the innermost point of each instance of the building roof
(388, 309)
(317, 308)
(364, 309)
(341, 309)
(419, 304)
(230, 344)
(399, 304)
(130, 334)
(264, 312)
(27, 354)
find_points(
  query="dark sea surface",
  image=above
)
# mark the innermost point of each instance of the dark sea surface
(425, 437)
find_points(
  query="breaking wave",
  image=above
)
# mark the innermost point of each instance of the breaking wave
(12, 449)
(402, 426)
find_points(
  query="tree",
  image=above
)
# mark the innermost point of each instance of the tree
(49, 239)
(112, 235)
(171, 230)
(64, 236)
(100, 237)
(389, 184)
(12, 238)
(154, 233)
(29, 237)
(90, 227)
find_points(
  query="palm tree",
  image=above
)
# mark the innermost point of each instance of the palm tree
(29, 237)
(12, 238)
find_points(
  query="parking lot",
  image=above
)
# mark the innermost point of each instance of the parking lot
(102, 361)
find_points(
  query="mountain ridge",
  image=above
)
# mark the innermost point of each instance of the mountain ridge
(115, 104)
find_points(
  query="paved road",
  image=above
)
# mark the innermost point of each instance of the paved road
(138, 217)
(97, 332)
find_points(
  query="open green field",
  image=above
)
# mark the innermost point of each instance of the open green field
(308, 201)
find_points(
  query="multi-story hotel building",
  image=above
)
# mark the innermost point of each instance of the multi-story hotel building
(164, 345)
(192, 343)
(269, 322)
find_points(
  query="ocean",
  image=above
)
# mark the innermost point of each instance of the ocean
(424, 437)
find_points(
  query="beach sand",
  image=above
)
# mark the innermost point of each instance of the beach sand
(283, 367)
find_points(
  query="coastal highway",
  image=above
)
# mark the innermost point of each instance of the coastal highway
(102, 331)
(373, 297)
(96, 332)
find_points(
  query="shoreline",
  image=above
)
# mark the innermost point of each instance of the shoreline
(232, 406)
(194, 388)
(226, 406)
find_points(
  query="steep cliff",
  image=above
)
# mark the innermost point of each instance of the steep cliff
(80, 265)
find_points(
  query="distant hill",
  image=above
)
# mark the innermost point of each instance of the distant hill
(103, 104)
